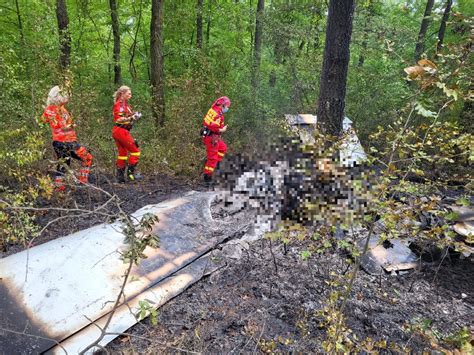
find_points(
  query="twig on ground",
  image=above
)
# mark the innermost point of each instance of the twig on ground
(273, 258)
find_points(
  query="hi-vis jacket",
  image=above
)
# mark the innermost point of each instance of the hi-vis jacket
(122, 109)
(58, 118)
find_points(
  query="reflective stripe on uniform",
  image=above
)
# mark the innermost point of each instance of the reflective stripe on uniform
(220, 154)
(208, 120)
(136, 154)
(122, 157)
(208, 168)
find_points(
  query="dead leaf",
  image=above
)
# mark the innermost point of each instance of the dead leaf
(125, 339)
(427, 63)
(415, 71)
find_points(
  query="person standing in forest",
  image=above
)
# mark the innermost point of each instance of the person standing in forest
(127, 146)
(64, 138)
(213, 127)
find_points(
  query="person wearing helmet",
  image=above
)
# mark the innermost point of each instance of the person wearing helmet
(213, 127)
(64, 137)
(127, 146)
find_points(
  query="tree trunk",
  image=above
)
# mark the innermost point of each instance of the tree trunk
(258, 43)
(157, 70)
(24, 56)
(116, 32)
(64, 34)
(335, 64)
(208, 24)
(420, 44)
(199, 23)
(131, 64)
(20, 23)
(442, 27)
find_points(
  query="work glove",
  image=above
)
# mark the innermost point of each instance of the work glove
(136, 116)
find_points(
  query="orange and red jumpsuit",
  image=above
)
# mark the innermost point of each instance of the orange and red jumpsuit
(65, 144)
(215, 146)
(123, 139)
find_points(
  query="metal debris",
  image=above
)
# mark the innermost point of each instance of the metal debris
(351, 151)
(388, 256)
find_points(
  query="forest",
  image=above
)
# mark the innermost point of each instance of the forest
(401, 71)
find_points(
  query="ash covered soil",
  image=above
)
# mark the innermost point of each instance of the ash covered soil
(261, 304)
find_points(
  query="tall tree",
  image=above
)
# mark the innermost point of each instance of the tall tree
(20, 23)
(420, 44)
(157, 70)
(199, 23)
(257, 48)
(116, 32)
(64, 34)
(332, 85)
(22, 39)
(442, 27)
(133, 47)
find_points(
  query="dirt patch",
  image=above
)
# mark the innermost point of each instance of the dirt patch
(268, 301)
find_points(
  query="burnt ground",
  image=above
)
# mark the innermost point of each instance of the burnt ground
(271, 299)
(68, 212)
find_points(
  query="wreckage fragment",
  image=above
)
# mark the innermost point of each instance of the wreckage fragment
(388, 256)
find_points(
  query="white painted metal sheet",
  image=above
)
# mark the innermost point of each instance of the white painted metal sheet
(125, 315)
(351, 151)
(55, 289)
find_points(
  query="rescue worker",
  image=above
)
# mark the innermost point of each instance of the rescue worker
(127, 146)
(211, 132)
(64, 138)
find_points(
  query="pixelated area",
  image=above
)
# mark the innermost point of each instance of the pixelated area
(294, 181)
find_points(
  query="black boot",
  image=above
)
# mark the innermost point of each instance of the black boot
(132, 175)
(207, 180)
(120, 175)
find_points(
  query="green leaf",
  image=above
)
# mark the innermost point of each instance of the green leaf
(449, 92)
(424, 112)
(463, 201)
(305, 254)
(452, 216)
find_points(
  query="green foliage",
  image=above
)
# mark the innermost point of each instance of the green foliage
(384, 36)
(139, 237)
(17, 215)
(147, 308)
(460, 341)
(305, 254)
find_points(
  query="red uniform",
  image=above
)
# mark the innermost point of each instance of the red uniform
(215, 146)
(123, 139)
(65, 144)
